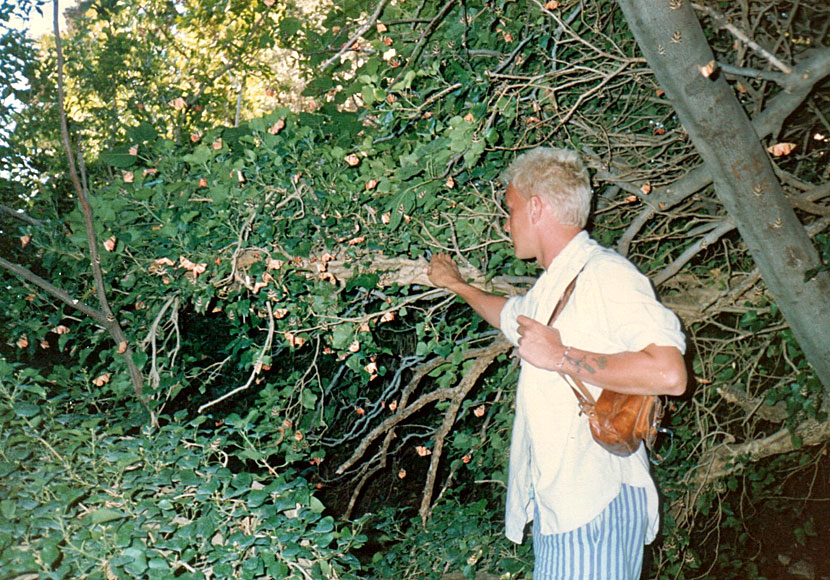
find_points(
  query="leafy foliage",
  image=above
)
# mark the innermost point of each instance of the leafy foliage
(269, 271)
(89, 497)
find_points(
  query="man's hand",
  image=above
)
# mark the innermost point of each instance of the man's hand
(539, 345)
(443, 271)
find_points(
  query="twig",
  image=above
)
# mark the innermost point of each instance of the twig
(426, 33)
(776, 77)
(155, 379)
(726, 226)
(269, 340)
(357, 35)
(740, 35)
(22, 216)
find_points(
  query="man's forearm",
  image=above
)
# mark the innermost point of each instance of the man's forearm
(487, 305)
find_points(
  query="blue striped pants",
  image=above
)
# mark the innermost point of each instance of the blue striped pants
(610, 547)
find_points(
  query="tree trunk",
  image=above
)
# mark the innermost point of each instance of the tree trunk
(672, 41)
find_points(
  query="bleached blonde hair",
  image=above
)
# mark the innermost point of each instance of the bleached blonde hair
(557, 176)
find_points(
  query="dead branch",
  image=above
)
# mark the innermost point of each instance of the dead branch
(499, 345)
(720, 20)
(460, 393)
(729, 458)
(723, 228)
(266, 348)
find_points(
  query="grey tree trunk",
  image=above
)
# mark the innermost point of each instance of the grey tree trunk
(672, 40)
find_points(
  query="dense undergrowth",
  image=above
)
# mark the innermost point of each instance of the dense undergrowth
(313, 409)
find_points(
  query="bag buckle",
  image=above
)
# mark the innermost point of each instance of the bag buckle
(656, 458)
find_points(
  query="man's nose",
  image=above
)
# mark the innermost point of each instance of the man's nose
(507, 225)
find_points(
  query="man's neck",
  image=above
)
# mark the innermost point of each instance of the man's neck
(554, 241)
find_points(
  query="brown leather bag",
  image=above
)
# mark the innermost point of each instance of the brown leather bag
(619, 422)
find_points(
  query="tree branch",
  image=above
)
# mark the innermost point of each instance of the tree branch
(22, 216)
(61, 295)
(498, 346)
(460, 393)
(357, 35)
(800, 83)
(111, 324)
(726, 459)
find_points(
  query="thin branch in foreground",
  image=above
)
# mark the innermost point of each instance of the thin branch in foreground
(111, 323)
(357, 35)
(269, 340)
(20, 215)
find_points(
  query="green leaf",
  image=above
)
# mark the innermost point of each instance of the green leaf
(316, 506)
(26, 409)
(104, 515)
(118, 157)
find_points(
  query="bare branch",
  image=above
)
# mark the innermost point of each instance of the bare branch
(720, 20)
(357, 35)
(269, 341)
(726, 459)
(20, 215)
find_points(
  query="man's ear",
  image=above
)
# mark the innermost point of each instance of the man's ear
(536, 208)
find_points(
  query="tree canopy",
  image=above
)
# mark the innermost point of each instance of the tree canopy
(223, 357)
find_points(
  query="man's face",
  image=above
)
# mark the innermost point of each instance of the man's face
(518, 223)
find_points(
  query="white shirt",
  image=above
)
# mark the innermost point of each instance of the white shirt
(556, 468)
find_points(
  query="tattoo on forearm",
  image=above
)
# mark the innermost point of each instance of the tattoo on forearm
(590, 367)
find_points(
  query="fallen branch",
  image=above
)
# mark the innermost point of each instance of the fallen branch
(460, 393)
(730, 458)
(498, 346)
(800, 83)
(406, 272)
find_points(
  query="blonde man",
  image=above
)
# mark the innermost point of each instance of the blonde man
(592, 511)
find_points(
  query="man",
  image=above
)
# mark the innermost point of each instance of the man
(592, 511)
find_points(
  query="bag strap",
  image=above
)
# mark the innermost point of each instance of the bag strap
(583, 395)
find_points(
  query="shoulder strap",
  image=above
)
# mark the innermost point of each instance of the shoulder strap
(583, 395)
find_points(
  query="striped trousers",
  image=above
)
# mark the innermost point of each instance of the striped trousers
(610, 547)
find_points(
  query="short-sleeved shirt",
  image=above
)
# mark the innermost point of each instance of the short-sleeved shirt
(557, 471)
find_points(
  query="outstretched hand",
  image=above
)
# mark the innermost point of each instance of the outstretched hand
(539, 345)
(443, 271)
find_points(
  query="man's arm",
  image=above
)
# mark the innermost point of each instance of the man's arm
(655, 370)
(444, 273)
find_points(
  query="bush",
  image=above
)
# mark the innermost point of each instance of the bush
(87, 497)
